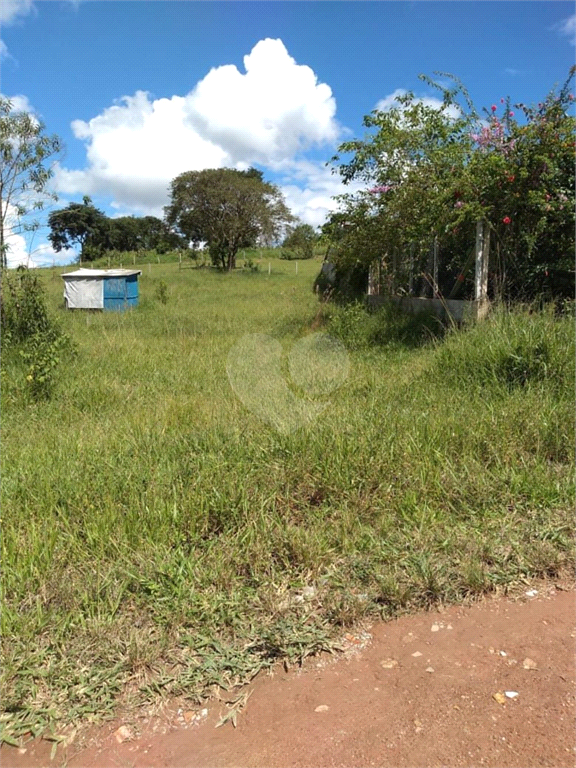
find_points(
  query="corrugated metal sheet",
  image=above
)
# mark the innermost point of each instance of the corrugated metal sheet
(119, 288)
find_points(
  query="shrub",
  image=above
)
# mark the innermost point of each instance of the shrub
(28, 328)
(511, 349)
(162, 292)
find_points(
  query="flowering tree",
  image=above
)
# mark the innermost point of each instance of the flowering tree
(432, 173)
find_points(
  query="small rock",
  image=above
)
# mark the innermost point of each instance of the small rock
(511, 694)
(322, 708)
(189, 716)
(123, 734)
(449, 626)
(416, 654)
(22, 751)
(499, 697)
(308, 592)
(429, 669)
(435, 628)
(529, 664)
(531, 593)
(503, 653)
(388, 663)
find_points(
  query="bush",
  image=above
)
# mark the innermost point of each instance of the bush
(28, 328)
(511, 349)
(162, 292)
(359, 327)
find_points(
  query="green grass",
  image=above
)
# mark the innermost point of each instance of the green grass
(157, 535)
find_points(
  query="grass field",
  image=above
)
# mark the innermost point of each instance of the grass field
(158, 536)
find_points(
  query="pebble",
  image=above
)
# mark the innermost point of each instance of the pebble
(531, 593)
(416, 654)
(429, 669)
(123, 734)
(529, 664)
(511, 694)
(322, 708)
(434, 628)
(388, 663)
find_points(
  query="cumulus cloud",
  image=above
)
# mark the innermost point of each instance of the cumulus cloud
(567, 27)
(267, 115)
(389, 102)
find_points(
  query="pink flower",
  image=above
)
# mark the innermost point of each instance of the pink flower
(511, 114)
(493, 107)
(506, 220)
(501, 101)
(459, 204)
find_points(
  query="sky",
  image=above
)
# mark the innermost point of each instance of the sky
(143, 90)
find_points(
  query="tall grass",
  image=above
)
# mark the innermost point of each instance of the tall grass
(158, 536)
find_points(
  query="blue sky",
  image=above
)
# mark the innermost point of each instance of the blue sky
(142, 91)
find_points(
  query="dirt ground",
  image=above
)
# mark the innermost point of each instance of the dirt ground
(418, 691)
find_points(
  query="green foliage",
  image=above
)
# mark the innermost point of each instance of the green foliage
(162, 292)
(25, 152)
(511, 350)
(28, 329)
(359, 327)
(299, 243)
(227, 209)
(433, 173)
(79, 224)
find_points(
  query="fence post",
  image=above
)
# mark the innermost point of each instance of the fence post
(411, 273)
(373, 279)
(435, 267)
(482, 257)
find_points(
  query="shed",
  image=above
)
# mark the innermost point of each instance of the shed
(115, 289)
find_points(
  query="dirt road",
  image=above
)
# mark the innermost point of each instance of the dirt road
(418, 691)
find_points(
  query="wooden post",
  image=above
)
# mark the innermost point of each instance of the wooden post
(394, 282)
(179, 260)
(411, 268)
(482, 257)
(269, 267)
(435, 267)
(296, 267)
(373, 279)
(133, 258)
(158, 257)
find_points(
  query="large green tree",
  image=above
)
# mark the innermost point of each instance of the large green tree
(227, 209)
(26, 153)
(79, 224)
(300, 241)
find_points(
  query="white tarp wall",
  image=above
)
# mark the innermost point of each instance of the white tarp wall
(84, 293)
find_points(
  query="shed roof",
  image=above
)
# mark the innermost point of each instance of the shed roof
(102, 273)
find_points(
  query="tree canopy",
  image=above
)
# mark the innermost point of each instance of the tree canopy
(76, 224)
(25, 153)
(431, 173)
(300, 241)
(227, 209)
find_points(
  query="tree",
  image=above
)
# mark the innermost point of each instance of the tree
(300, 240)
(431, 174)
(79, 224)
(227, 209)
(25, 152)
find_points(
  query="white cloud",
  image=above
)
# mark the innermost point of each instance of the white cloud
(390, 102)
(567, 27)
(10, 10)
(310, 187)
(4, 53)
(267, 116)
